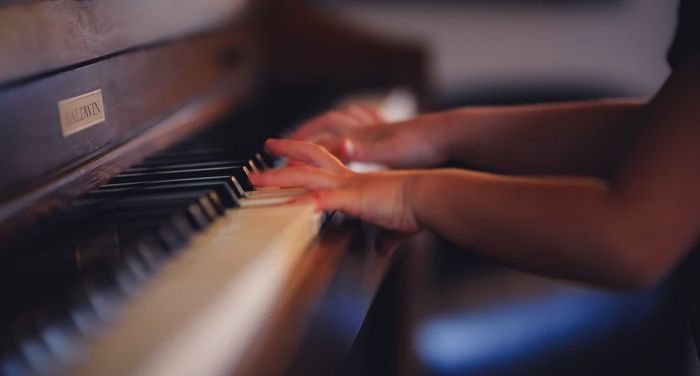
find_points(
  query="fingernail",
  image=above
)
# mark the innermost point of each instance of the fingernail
(349, 148)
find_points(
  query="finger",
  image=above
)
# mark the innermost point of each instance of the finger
(362, 151)
(296, 162)
(380, 147)
(374, 112)
(334, 122)
(365, 113)
(297, 176)
(307, 152)
(341, 199)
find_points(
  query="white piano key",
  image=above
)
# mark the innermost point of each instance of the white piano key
(273, 196)
(203, 309)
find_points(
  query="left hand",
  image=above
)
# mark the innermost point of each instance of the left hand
(381, 198)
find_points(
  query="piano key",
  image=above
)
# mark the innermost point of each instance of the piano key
(36, 354)
(128, 274)
(226, 195)
(267, 242)
(62, 340)
(150, 250)
(104, 300)
(172, 211)
(271, 197)
(263, 160)
(177, 174)
(14, 364)
(232, 181)
(158, 167)
(83, 314)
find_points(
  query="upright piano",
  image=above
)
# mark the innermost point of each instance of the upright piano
(131, 241)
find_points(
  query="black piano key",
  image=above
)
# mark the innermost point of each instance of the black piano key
(130, 177)
(36, 353)
(14, 364)
(130, 273)
(151, 210)
(232, 181)
(225, 193)
(62, 338)
(150, 251)
(105, 302)
(263, 161)
(198, 217)
(217, 203)
(159, 167)
(82, 313)
(241, 174)
(172, 236)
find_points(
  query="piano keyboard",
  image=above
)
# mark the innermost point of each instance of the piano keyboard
(220, 248)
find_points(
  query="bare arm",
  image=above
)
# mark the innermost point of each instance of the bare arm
(577, 138)
(586, 137)
(625, 232)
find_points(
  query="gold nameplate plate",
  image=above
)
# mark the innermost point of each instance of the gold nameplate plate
(81, 112)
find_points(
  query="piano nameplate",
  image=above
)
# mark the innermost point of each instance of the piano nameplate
(81, 112)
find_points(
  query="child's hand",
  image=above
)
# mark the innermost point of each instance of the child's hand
(380, 198)
(358, 133)
(338, 123)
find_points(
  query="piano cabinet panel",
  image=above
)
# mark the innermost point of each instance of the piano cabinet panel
(139, 90)
(64, 33)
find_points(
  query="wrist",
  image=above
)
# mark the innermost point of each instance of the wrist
(448, 132)
(430, 136)
(416, 190)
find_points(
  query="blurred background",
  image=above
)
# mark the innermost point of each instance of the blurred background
(508, 50)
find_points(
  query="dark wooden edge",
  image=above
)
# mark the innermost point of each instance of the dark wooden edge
(336, 267)
(22, 210)
(63, 33)
(137, 89)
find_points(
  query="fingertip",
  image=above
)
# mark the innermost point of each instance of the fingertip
(267, 144)
(317, 198)
(257, 178)
(348, 149)
(309, 198)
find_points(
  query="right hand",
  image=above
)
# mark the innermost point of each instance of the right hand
(381, 198)
(357, 133)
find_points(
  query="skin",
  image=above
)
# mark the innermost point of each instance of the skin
(599, 192)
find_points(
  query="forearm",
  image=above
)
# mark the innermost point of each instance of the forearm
(568, 228)
(582, 138)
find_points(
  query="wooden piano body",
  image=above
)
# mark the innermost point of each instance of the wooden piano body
(89, 89)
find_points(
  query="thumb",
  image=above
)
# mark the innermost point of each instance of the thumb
(340, 199)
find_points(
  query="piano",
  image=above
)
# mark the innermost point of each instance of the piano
(131, 240)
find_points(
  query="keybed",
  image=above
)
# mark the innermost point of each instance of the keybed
(96, 252)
